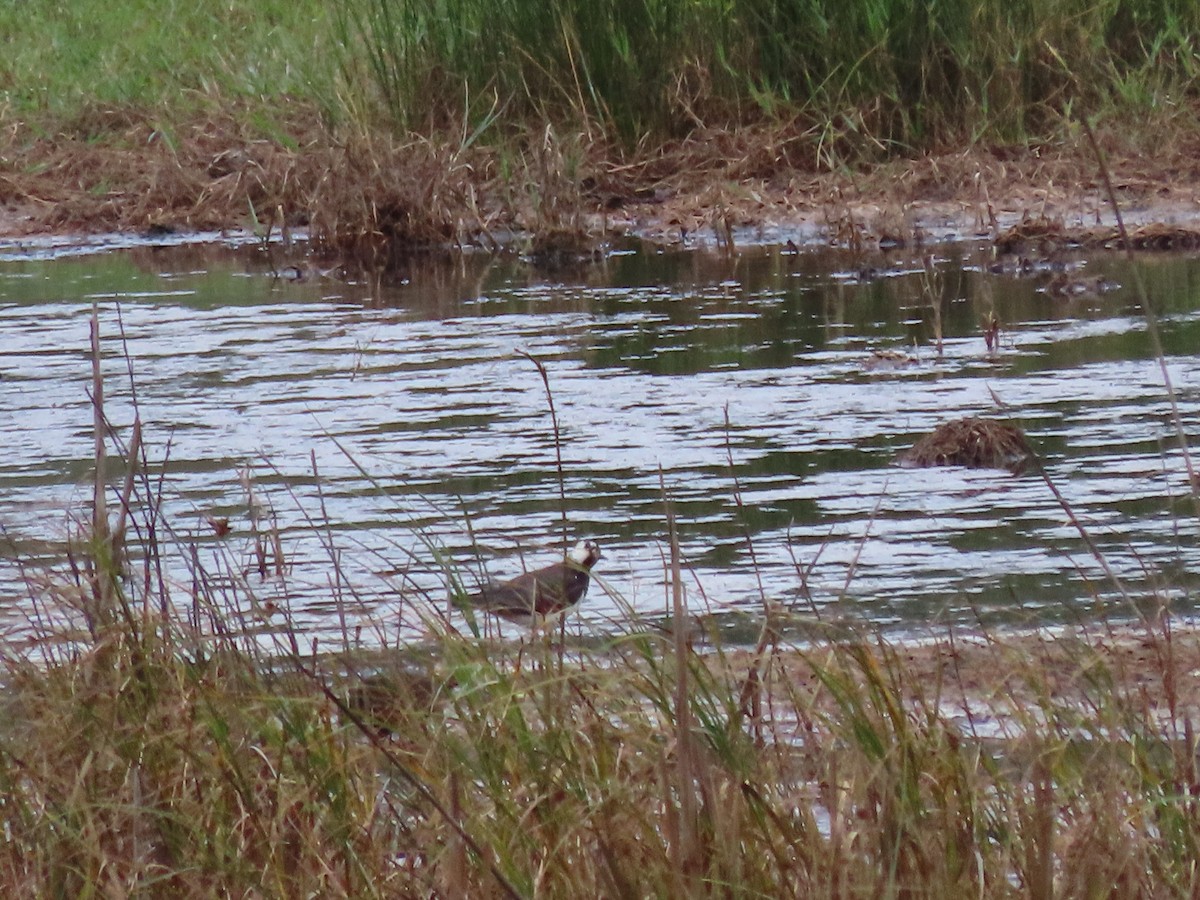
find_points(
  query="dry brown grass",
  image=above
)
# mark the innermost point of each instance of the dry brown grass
(973, 442)
(370, 194)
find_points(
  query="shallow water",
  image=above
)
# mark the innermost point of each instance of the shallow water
(385, 428)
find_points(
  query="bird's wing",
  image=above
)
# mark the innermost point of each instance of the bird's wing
(541, 591)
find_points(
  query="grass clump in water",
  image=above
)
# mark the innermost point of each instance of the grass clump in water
(978, 443)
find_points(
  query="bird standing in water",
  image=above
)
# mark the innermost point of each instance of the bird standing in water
(540, 597)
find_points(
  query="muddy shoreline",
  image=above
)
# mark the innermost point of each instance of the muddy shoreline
(708, 193)
(969, 674)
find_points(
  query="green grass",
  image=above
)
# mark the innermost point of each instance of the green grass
(895, 73)
(62, 60)
(903, 74)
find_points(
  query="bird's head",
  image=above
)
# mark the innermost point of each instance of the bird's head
(585, 554)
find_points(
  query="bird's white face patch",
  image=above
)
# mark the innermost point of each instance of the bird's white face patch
(585, 553)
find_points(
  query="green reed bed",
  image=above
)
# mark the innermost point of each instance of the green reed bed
(889, 71)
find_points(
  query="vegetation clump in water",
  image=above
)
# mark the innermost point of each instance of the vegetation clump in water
(976, 443)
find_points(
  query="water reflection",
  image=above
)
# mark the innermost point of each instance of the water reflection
(383, 424)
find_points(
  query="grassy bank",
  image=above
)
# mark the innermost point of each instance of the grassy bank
(898, 74)
(421, 123)
(887, 74)
(155, 760)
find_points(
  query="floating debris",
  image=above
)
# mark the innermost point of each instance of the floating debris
(555, 249)
(973, 442)
(1033, 235)
(1154, 236)
(1062, 285)
(889, 359)
(1041, 234)
(991, 331)
(219, 524)
(1026, 266)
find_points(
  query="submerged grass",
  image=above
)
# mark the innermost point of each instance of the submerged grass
(154, 743)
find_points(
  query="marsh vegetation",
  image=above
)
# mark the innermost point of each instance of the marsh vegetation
(416, 124)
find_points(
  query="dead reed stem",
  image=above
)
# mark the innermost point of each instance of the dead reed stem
(687, 851)
(1151, 318)
(558, 460)
(102, 593)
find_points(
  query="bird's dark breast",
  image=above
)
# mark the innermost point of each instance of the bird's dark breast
(542, 593)
(552, 594)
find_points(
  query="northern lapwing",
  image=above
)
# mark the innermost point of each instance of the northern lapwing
(540, 597)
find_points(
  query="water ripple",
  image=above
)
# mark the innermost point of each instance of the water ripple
(412, 422)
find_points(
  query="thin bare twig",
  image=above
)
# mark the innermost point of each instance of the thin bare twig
(558, 460)
(1151, 320)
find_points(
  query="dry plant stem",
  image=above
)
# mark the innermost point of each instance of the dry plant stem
(737, 501)
(1083, 532)
(135, 446)
(137, 466)
(1035, 460)
(455, 583)
(1040, 846)
(932, 286)
(562, 488)
(686, 851)
(100, 526)
(750, 699)
(852, 568)
(252, 513)
(1151, 320)
(132, 455)
(326, 538)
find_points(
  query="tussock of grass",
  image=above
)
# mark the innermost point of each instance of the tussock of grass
(974, 442)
